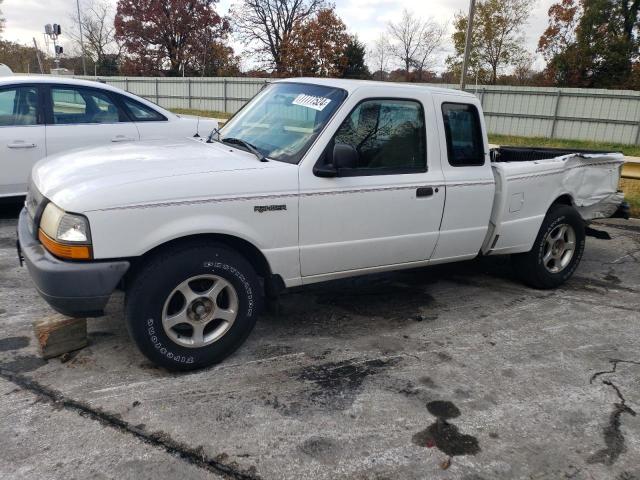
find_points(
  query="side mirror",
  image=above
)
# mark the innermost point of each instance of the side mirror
(345, 156)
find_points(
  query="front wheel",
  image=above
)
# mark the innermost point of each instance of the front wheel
(191, 307)
(556, 252)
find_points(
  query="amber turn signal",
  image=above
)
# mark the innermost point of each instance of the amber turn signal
(61, 250)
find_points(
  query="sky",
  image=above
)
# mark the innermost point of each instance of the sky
(25, 19)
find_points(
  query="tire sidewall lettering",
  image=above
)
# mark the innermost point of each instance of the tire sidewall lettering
(155, 331)
(212, 266)
(158, 345)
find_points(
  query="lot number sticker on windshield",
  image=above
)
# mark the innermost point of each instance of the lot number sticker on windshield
(309, 101)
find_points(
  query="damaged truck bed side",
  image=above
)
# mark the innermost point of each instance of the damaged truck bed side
(313, 180)
(588, 181)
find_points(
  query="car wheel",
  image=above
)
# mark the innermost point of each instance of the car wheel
(191, 308)
(556, 252)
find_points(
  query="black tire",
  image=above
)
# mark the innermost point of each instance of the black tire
(530, 266)
(156, 279)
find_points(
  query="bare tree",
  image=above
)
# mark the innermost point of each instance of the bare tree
(523, 70)
(430, 45)
(498, 36)
(99, 32)
(266, 26)
(414, 41)
(379, 56)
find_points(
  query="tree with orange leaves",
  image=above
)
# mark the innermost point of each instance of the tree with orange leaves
(316, 46)
(167, 35)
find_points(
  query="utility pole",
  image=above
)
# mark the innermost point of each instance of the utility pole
(467, 44)
(53, 32)
(84, 65)
(35, 44)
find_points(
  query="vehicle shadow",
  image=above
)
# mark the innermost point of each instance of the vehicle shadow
(10, 208)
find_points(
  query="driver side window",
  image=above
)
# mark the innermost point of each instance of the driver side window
(388, 135)
(77, 105)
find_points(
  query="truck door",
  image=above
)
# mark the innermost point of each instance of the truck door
(385, 209)
(468, 176)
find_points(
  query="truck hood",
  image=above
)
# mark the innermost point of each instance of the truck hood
(145, 172)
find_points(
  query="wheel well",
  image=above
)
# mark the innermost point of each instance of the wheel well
(243, 247)
(563, 200)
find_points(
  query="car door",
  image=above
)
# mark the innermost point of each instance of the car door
(85, 117)
(386, 208)
(22, 136)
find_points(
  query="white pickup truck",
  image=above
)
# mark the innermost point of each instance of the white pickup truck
(313, 180)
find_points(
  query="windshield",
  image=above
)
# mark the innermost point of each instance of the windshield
(283, 120)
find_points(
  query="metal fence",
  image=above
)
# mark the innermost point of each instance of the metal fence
(568, 113)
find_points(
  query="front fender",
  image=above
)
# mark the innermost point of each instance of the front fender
(132, 232)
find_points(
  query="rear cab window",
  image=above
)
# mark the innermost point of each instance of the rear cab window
(463, 132)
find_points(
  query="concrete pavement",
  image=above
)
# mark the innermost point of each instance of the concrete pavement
(456, 372)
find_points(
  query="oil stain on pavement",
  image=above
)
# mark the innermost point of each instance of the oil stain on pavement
(337, 383)
(13, 343)
(443, 435)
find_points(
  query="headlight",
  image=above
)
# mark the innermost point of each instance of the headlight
(66, 235)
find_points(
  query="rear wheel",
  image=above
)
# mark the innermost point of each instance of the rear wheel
(193, 307)
(557, 250)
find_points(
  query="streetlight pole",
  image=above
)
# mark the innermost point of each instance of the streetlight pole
(84, 65)
(467, 44)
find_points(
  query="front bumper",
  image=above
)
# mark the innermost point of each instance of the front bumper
(76, 289)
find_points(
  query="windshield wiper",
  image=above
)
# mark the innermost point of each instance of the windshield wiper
(247, 145)
(215, 131)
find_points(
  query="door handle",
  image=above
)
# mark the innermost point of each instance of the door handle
(21, 145)
(122, 138)
(424, 192)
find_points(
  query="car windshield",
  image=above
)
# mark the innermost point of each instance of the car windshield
(283, 120)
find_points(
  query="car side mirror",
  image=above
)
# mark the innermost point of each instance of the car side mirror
(344, 156)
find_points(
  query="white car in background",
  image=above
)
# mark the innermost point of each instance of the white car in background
(44, 116)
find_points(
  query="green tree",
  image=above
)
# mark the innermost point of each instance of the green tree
(592, 43)
(497, 38)
(21, 58)
(355, 52)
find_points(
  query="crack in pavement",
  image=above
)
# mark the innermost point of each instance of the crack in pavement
(615, 363)
(194, 456)
(612, 433)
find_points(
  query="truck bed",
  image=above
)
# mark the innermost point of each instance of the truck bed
(529, 179)
(526, 154)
